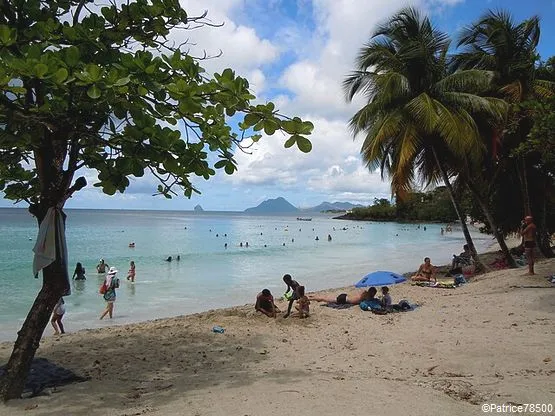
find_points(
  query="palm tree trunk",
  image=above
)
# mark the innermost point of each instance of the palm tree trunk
(467, 236)
(491, 222)
(542, 233)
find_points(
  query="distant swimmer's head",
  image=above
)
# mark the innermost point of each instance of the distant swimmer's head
(266, 292)
(427, 260)
(287, 278)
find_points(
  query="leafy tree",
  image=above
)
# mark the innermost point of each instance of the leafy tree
(496, 43)
(102, 86)
(416, 112)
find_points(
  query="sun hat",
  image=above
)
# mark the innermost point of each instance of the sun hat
(112, 270)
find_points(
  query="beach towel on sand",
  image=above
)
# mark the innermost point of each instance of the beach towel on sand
(440, 285)
(338, 305)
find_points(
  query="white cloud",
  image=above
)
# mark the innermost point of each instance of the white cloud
(242, 49)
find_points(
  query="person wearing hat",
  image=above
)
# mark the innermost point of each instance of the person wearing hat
(528, 234)
(101, 267)
(111, 283)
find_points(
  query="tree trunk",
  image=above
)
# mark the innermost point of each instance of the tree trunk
(467, 236)
(493, 226)
(29, 336)
(542, 233)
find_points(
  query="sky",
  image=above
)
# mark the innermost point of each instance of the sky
(296, 54)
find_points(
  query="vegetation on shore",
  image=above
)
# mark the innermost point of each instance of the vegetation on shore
(478, 119)
(432, 206)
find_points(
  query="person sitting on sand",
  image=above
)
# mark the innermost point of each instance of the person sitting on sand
(386, 298)
(265, 304)
(292, 285)
(303, 304)
(344, 299)
(425, 273)
(463, 259)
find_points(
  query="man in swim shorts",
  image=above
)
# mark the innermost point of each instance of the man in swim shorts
(529, 236)
(344, 298)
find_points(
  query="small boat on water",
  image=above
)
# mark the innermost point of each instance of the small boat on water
(304, 219)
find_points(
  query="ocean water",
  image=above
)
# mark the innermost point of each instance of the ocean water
(208, 275)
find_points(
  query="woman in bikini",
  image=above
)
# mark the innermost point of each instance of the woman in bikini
(425, 273)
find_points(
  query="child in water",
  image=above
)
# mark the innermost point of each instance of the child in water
(303, 303)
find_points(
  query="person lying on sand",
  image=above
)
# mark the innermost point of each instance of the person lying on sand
(265, 304)
(425, 273)
(343, 298)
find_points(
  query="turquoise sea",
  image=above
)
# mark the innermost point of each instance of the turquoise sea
(208, 275)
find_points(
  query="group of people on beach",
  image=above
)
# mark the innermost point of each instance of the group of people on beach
(295, 292)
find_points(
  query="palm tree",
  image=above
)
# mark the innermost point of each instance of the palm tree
(417, 116)
(496, 43)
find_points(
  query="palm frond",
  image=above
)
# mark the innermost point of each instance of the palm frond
(470, 80)
(513, 92)
(543, 88)
(423, 110)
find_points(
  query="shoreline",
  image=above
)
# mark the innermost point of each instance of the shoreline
(438, 357)
(490, 253)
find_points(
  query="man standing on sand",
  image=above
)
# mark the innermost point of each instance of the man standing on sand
(528, 234)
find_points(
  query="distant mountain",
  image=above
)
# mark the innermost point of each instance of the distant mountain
(273, 205)
(198, 208)
(329, 206)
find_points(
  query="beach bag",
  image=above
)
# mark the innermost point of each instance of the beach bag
(102, 289)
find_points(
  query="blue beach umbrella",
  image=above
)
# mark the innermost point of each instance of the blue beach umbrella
(380, 278)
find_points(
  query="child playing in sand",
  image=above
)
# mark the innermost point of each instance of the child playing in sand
(265, 304)
(292, 285)
(303, 303)
(57, 315)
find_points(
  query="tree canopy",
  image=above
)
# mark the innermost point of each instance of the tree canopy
(110, 87)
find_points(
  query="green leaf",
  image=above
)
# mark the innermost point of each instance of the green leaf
(122, 81)
(41, 70)
(251, 119)
(304, 144)
(229, 168)
(94, 71)
(142, 90)
(220, 164)
(72, 56)
(60, 75)
(94, 92)
(8, 36)
(290, 141)
(270, 127)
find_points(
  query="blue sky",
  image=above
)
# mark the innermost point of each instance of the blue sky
(296, 54)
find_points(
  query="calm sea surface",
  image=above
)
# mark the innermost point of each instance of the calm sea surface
(208, 274)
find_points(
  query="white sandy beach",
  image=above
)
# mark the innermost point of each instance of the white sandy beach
(490, 341)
